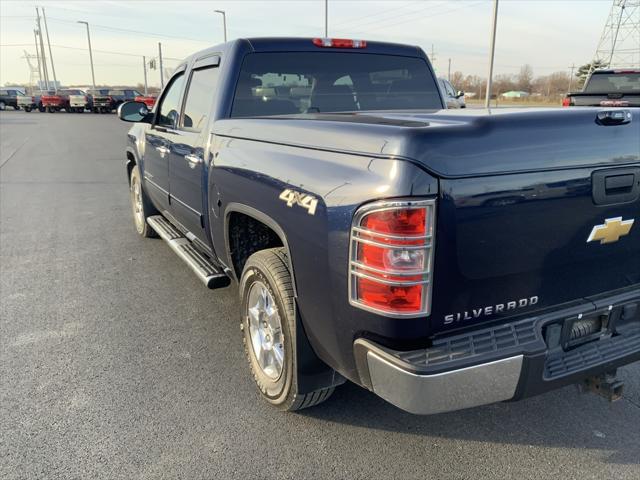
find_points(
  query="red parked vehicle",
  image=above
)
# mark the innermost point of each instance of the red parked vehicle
(148, 100)
(54, 102)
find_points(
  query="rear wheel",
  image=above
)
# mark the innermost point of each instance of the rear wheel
(27, 109)
(140, 205)
(269, 331)
(16, 107)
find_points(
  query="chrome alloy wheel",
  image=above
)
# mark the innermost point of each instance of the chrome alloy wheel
(136, 203)
(265, 330)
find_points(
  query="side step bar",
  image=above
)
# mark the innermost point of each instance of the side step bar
(206, 271)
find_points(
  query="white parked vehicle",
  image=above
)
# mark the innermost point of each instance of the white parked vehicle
(453, 98)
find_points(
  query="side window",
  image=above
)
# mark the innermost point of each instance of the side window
(450, 89)
(169, 108)
(199, 101)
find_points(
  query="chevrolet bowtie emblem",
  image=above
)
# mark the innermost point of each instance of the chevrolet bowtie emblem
(611, 231)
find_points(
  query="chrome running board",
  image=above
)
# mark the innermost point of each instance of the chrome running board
(205, 270)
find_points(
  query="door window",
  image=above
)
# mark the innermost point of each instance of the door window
(199, 101)
(169, 108)
(449, 89)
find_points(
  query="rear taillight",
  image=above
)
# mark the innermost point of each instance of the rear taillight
(391, 259)
(339, 43)
(566, 102)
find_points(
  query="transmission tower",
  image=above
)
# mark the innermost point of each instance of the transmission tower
(34, 70)
(619, 45)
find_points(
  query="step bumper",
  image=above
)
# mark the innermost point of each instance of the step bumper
(502, 362)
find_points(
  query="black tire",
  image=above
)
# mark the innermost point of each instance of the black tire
(27, 109)
(270, 268)
(41, 108)
(16, 107)
(50, 109)
(144, 208)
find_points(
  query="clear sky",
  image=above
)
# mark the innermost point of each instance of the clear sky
(550, 35)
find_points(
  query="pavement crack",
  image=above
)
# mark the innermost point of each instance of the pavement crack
(14, 152)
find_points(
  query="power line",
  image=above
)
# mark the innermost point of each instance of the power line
(385, 20)
(126, 30)
(377, 14)
(413, 18)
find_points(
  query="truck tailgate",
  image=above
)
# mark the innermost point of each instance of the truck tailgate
(532, 236)
(605, 99)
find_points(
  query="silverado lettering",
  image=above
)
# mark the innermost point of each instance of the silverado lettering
(427, 230)
(490, 310)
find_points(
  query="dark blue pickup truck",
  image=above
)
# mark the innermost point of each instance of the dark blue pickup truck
(441, 259)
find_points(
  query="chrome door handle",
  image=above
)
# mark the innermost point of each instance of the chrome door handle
(193, 160)
(163, 150)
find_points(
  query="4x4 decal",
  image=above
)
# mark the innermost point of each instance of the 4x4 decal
(306, 201)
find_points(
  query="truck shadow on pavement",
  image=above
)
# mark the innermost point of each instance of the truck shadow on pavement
(560, 419)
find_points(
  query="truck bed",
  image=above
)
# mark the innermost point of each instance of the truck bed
(516, 197)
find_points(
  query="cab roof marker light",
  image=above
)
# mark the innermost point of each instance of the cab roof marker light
(339, 43)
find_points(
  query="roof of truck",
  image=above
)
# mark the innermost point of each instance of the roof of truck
(302, 44)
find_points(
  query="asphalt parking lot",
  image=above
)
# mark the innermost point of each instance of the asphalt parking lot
(115, 361)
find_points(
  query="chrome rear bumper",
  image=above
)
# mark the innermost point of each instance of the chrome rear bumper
(472, 386)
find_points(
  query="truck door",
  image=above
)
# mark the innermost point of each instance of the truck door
(159, 141)
(187, 162)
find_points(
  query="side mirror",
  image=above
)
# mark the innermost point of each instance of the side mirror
(134, 112)
(460, 94)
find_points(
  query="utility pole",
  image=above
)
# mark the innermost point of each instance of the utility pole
(161, 71)
(492, 53)
(326, 18)
(93, 76)
(35, 38)
(53, 68)
(224, 23)
(449, 75)
(573, 66)
(144, 67)
(42, 55)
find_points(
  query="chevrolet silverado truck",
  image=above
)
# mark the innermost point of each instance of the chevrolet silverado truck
(112, 99)
(79, 102)
(26, 102)
(61, 99)
(9, 98)
(441, 259)
(607, 88)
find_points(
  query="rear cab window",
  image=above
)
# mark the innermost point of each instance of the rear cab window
(285, 83)
(607, 82)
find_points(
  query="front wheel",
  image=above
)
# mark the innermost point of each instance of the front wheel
(27, 109)
(140, 205)
(269, 331)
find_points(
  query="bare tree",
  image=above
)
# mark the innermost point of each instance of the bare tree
(525, 77)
